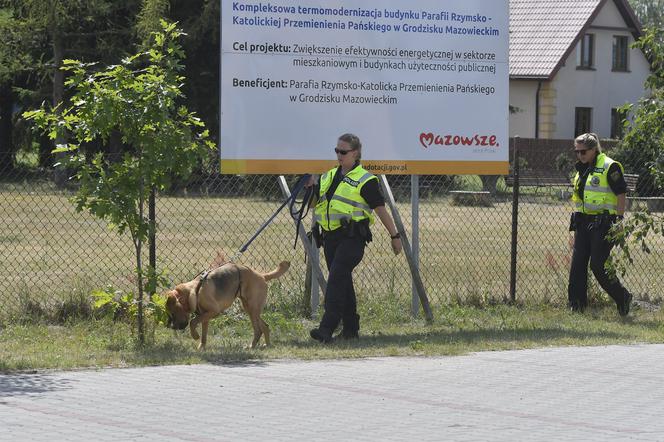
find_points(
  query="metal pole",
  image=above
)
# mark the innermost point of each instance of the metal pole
(515, 219)
(414, 271)
(315, 264)
(415, 216)
(152, 222)
(309, 248)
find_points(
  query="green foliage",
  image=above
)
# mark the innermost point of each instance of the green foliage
(139, 99)
(150, 17)
(564, 162)
(77, 307)
(12, 60)
(118, 306)
(650, 12)
(633, 233)
(643, 150)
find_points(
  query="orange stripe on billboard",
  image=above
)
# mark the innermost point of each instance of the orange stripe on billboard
(280, 167)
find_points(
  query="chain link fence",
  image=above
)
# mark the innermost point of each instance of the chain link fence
(51, 254)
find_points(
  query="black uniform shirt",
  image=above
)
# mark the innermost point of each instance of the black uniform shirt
(371, 191)
(615, 178)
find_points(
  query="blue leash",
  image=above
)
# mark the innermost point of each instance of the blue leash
(297, 213)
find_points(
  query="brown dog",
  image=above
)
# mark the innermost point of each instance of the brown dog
(210, 295)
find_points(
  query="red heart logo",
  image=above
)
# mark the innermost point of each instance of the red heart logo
(426, 139)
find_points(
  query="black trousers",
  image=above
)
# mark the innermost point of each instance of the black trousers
(591, 244)
(342, 254)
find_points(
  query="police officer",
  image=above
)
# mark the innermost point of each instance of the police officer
(599, 197)
(347, 197)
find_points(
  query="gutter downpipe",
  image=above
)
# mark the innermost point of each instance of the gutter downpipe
(537, 108)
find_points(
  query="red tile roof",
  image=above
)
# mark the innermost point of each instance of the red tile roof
(544, 32)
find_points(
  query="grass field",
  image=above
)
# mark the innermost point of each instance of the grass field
(50, 253)
(386, 330)
(53, 257)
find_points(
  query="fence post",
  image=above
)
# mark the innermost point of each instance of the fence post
(311, 250)
(415, 243)
(152, 221)
(414, 271)
(515, 218)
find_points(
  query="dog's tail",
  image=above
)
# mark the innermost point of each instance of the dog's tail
(280, 270)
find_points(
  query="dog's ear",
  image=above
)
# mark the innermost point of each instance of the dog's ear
(170, 300)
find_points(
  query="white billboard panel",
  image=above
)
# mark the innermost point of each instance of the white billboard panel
(423, 83)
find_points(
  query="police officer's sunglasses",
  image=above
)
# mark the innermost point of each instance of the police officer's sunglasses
(342, 152)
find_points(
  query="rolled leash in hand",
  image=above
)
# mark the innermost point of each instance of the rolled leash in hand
(301, 212)
(296, 213)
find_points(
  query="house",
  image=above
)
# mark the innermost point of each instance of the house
(571, 67)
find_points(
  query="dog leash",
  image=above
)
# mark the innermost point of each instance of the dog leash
(297, 213)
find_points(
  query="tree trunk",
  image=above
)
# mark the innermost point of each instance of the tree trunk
(115, 146)
(138, 244)
(45, 155)
(6, 128)
(139, 271)
(60, 173)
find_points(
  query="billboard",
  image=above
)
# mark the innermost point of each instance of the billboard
(423, 83)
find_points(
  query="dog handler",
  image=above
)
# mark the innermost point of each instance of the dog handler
(599, 197)
(347, 197)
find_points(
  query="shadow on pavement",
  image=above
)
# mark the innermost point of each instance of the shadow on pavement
(20, 384)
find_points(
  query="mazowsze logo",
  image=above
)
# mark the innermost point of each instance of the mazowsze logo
(428, 139)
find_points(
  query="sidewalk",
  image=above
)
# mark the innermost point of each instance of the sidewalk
(590, 393)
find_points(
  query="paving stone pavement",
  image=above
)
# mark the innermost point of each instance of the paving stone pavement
(589, 393)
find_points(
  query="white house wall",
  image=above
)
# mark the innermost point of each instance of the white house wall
(522, 97)
(600, 89)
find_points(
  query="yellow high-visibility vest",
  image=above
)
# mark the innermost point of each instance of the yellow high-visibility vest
(346, 203)
(597, 195)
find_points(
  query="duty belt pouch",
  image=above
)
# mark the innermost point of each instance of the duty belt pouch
(364, 231)
(573, 221)
(316, 235)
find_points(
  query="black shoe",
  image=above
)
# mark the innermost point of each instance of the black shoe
(623, 307)
(321, 334)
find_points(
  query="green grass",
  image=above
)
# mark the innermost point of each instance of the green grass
(51, 254)
(52, 258)
(385, 332)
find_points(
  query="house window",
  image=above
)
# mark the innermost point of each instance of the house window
(585, 52)
(582, 119)
(617, 129)
(620, 53)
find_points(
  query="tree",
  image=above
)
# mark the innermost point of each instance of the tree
(649, 12)
(13, 61)
(139, 98)
(645, 141)
(37, 36)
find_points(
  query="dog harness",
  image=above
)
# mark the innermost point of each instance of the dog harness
(203, 278)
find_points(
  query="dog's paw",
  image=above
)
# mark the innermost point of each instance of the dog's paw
(201, 347)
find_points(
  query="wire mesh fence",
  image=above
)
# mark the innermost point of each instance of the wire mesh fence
(51, 254)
